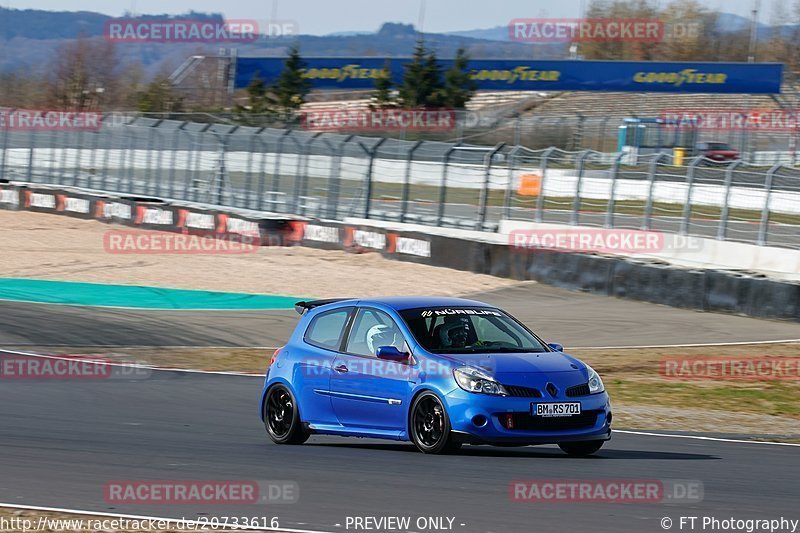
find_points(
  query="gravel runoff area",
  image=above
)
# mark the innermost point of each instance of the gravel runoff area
(54, 247)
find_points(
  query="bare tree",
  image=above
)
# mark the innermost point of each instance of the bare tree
(84, 75)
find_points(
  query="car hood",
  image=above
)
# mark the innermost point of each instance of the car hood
(512, 363)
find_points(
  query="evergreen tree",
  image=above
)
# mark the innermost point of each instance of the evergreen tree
(382, 96)
(458, 86)
(291, 88)
(260, 98)
(422, 81)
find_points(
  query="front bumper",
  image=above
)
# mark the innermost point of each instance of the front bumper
(482, 419)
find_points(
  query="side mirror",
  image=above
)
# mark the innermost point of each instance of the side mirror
(555, 346)
(390, 353)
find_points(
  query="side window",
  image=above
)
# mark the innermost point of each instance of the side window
(326, 329)
(371, 330)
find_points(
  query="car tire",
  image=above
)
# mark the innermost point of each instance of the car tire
(430, 427)
(282, 417)
(581, 449)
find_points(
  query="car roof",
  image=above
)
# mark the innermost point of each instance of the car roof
(401, 303)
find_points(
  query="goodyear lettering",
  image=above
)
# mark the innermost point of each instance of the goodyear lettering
(340, 74)
(521, 73)
(677, 79)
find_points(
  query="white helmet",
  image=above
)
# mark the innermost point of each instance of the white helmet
(380, 335)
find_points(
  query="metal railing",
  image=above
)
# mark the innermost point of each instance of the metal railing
(333, 176)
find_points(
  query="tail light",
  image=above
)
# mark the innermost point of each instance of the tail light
(275, 355)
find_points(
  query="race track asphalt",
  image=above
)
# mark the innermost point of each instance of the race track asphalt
(63, 441)
(571, 318)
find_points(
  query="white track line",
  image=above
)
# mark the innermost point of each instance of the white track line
(697, 437)
(703, 345)
(140, 517)
(132, 365)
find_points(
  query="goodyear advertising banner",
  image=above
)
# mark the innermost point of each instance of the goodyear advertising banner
(518, 75)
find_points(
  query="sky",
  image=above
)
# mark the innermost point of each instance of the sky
(320, 17)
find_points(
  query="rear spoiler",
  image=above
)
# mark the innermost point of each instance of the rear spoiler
(304, 307)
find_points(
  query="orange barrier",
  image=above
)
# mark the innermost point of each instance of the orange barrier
(530, 185)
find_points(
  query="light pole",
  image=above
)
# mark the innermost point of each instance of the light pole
(751, 58)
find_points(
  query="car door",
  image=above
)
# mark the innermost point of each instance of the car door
(368, 392)
(314, 363)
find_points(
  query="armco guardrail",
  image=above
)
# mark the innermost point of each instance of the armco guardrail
(333, 176)
(609, 275)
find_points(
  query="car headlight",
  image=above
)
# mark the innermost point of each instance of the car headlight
(473, 380)
(595, 383)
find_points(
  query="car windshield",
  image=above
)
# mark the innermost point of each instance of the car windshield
(718, 146)
(469, 330)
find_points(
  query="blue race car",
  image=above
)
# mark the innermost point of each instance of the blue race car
(439, 372)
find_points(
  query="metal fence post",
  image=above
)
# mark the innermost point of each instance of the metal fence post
(6, 132)
(540, 199)
(159, 183)
(510, 185)
(722, 230)
(301, 184)
(64, 143)
(764, 226)
(131, 166)
(335, 177)
(149, 161)
(276, 175)
(407, 180)
(612, 193)
(107, 156)
(443, 187)
(93, 158)
(248, 179)
(648, 208)
(173, 164)
(370, 166)
(483, 204)
(31, 155)
(576, 204)
(687, 206)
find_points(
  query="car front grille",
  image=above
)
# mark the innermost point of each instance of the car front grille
(527, 422)
(578, 390)
(522, 392)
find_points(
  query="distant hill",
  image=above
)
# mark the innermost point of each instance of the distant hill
(29, 37)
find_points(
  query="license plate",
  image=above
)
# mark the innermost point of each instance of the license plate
(556, 409)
